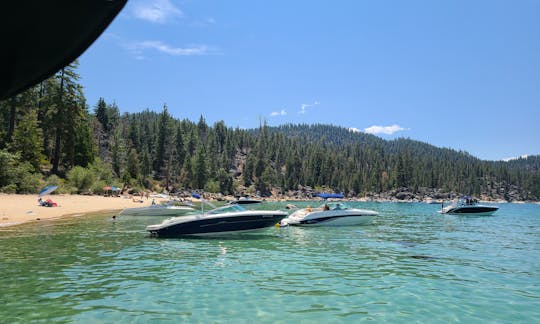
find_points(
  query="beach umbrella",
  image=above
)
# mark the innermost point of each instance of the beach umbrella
(47, 190)
(111, 189)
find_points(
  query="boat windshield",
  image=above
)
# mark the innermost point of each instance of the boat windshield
(467, 201)
(227, 209)
(337, 205)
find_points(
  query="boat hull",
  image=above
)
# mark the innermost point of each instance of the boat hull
(211, 225)
(330, 218)
(471, 210)
(246, 202)
(170, 211)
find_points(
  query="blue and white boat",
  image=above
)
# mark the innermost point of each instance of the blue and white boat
(245, 201)
(330, 214)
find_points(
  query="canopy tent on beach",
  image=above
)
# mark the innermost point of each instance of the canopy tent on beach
(110, 190)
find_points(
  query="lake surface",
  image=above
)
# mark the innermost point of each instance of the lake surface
(411, 264)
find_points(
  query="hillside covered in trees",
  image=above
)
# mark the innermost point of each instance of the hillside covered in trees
(50, 135)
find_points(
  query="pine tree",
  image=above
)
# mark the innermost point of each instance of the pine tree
(200, 168)
(27, 139)
(66, 114)
(117, 153)
(164, 148)
(102, 114)
(133, 165)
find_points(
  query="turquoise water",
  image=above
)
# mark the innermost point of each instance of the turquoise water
(411, 264)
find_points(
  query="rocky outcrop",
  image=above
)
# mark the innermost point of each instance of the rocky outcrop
(421, 194)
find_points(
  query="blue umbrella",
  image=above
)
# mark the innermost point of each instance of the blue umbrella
(47, 190)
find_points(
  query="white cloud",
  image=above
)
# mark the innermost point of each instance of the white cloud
(278, 113)
(303, 107)
(354, 130)
(388, 130)
(138, 49)
(156, 11)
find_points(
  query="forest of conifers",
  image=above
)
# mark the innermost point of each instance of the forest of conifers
(49, 134)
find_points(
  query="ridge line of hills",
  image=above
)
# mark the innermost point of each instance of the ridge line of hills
(49, 136)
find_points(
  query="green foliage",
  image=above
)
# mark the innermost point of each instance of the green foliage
(200, 168)
(102, 171)
(67, 113)
(212, 186)
(27, 182)
(80, 178)
(101, 114)
(8, 162)
(27, 139)
(16, 176)
(54, 180)
(133, 165)
(97, 187)
(225, 181)
(49, 125)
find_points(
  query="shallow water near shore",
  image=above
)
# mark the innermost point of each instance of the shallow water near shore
(411, 264)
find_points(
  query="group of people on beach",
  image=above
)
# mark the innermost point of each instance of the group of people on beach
(142, 195)
(47, 203)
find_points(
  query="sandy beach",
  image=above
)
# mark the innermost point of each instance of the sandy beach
(17, 209)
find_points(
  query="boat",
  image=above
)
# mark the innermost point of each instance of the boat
(330, 214)
(468, 206)
(222, 220)
(432, 201)
(157, 210)
(245, 201)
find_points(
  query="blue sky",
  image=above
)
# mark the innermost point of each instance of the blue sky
(458, 74)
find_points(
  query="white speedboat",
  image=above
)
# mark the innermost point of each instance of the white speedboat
(468, 206)
(223, 220)
(330, 214)
(157, 210)
(245, 201)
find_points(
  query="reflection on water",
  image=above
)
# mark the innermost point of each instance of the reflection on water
(410, 264)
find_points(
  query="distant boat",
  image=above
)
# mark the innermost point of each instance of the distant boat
(468, 206)
(223, 220)
(330, 214)
(245, 201)
(157, 210)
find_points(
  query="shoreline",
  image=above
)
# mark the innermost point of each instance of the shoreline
(19, 209)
